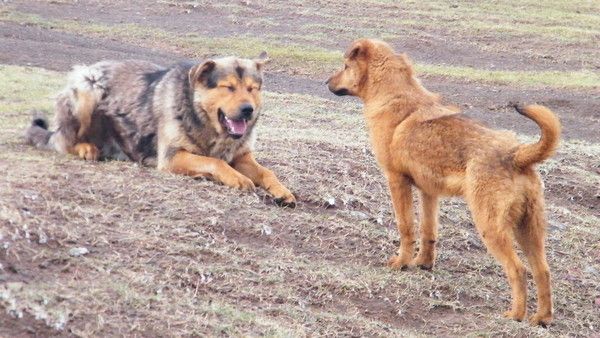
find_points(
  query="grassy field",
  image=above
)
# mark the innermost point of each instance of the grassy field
(171, 256)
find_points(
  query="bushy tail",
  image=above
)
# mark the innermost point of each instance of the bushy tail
(38, 134)
(73, 110)
(528, 154)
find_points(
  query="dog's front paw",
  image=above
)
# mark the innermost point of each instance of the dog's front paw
(283, 197)
(398, 263)
(424, 261)
(541, 319)
(238, 181)
(515, 315)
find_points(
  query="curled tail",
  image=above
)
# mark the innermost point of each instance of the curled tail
(38, 134)
(528, 154)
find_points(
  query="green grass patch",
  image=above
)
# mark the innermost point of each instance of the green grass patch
(22, 89)
(25, 88)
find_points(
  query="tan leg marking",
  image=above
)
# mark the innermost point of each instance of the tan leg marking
(265, 178)
(186, 163)
(85, 151)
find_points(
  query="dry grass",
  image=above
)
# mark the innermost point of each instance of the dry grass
(179, 257)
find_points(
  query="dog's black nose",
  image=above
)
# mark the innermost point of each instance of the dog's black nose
(246, 111)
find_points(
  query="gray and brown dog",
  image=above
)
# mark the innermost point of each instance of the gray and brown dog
(190, 119)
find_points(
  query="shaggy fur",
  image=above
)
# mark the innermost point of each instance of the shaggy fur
(191, 119)
(420, 142)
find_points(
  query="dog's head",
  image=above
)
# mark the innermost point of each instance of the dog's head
(366, 63)
(228, 90)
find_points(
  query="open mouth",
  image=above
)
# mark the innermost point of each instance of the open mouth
(235, 128)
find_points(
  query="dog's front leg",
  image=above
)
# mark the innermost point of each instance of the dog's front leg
(429, 224)
(401, 191)
(265, 178)
(186, 163)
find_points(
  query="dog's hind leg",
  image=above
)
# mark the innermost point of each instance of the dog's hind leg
(401, 191)
(66, 138)
(429, 224)
(490, 211)
(530, 235)
(74, 109)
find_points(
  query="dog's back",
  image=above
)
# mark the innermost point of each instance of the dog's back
(108, 103)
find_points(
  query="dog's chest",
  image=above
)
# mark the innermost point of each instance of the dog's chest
(380, 135)
(225, 148)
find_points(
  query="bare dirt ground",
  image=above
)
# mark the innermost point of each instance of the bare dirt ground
(170, 256)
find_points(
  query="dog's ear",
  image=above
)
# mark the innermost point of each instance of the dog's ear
(201, 73)
(357, 50)
(261, 60)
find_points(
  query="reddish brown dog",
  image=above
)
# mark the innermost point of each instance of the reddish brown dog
(420, 142)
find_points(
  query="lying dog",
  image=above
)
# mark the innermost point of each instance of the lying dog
(190, 119)
(419, 142)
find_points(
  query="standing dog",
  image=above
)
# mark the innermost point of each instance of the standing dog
(419, 142)
(190, 119)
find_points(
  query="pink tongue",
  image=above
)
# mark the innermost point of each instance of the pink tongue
(236, 127)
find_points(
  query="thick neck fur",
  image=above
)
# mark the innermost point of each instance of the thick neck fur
(391, 94)
(390, 85)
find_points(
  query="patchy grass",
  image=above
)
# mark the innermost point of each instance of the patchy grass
(567, 21)
(24, 87)
(575, 79)
(295, 58)
(182, 257)
(562, 21)
(283, 55)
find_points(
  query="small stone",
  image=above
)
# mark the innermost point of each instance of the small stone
(359, 215)
(266, 230)
(330, 202)
(76, 252)
(42, 238)
(556, 225)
